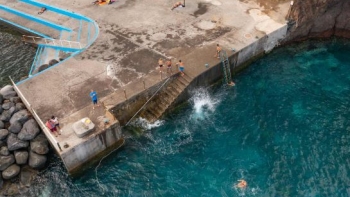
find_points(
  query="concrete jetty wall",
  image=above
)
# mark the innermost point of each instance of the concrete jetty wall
(238, 60)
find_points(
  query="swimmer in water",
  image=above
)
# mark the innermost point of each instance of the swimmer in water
(242, 184)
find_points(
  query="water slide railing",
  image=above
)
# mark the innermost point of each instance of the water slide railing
(64, 44)
(35, 19)
(92, 33)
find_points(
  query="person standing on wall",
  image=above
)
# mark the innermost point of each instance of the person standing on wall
(93, 96)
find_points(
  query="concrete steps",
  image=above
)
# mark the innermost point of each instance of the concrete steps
(165, 98)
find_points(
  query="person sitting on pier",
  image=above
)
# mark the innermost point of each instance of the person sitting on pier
(178, 4)
(51, 126)
(42, 10)
(54, 121)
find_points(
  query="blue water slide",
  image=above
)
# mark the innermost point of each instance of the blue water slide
(57, 10)
(35, 19)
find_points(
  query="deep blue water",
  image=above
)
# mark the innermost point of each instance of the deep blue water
(284, 128)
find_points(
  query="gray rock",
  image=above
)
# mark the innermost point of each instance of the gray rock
(11, 172)
(12, 189)
(21, 116)
(39, 145)
(6, 161)
(36, 161)
(29, 130)
(20, 106)
(4, 151)
(27, 176)
(15, 99)
(13, 143)
(3, 133)
(7, 92)
(2, 125)
(7, 105)
(21, 157)
(12, 110)
(5, 116)
(15, 127)
(2, 143)
(1, 182)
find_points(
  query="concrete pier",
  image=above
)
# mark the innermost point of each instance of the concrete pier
(121, 63)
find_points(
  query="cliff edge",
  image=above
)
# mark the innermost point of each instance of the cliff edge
(318, 19)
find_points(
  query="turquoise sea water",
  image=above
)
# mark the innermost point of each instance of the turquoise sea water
(284, 128)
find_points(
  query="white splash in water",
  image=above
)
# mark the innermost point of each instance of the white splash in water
(147, 125)
(202, 103)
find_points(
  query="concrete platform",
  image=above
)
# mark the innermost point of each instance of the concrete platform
(134, 34)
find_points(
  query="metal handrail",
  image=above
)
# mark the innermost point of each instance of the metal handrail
(148, 100)
(53, 40)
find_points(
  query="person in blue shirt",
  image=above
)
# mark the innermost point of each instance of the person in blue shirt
(93, 96)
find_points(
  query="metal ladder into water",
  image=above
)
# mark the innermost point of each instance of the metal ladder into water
(225, 67)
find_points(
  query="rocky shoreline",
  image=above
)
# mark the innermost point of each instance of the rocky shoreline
(23, 146)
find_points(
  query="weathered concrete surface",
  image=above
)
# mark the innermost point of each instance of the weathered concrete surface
(133, 35)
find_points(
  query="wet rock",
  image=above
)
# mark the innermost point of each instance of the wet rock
(20, 106)
(3, 133)
(39, 145)
(6, 161)
(15, 127)
(27, 175)
(7, 105)
(7, 92)
(15, 99)
(20, 116)
(11, 172)
(36, 161)
(21, 157)
(13, 143)
(2, 125)
(4, 151)
(29, 130)
(5, 116)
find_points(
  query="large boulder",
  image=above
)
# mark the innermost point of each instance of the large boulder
(15, 127)
(11, 172)
(4, 151)
(2, 125)
(13, 143)
(21, 157)
(12, 110)
(6, 161)
(27, 175)
(15, 99)
(7, 105)
(39, 145)
(5, 115)
(7, 92)
(20, 116)
(36, 161)
(20, 106)
(29, 130)
(3, 134)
